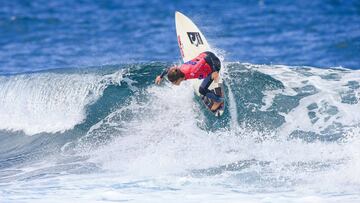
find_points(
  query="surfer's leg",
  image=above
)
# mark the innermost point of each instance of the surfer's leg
(204, 90)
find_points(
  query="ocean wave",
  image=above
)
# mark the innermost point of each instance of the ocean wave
(49, 102)
(260, 97)
(284, 128)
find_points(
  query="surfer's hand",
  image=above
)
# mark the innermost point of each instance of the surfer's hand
(215, 76)
(158, 80)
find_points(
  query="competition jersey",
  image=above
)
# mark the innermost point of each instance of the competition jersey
(196, 68)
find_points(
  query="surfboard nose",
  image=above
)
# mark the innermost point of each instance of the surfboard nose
(179, 14)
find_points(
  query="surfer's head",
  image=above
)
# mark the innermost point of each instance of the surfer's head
(175, 75)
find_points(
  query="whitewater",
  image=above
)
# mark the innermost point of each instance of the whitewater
(105, 134)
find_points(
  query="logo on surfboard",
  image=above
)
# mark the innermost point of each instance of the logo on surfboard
(195, 38)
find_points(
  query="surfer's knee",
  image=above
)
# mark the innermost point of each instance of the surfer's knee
(202, 91)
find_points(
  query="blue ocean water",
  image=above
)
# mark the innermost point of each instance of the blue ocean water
(38, 35)
(82, 120)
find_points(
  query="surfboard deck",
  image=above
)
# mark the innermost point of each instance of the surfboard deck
(192, 43)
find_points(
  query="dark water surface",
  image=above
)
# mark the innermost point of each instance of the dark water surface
(46, 34)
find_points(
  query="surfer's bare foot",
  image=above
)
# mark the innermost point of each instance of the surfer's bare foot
(216, 105)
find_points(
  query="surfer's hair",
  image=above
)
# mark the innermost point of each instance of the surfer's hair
(174, 74)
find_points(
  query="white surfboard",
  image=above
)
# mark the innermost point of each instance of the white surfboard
(192, 43)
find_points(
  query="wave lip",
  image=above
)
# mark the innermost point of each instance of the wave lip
(49, 102)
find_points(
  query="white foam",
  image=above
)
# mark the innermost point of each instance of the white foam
(329, 92)
(165, 138)
(49, 102)
(115, 188)
(167, 118)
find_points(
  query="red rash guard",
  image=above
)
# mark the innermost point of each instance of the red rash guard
(196, 68)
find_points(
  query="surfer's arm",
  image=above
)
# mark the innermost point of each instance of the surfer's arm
(161, 76)
(164, 73)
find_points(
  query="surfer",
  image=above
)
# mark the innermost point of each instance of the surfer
(205, 66)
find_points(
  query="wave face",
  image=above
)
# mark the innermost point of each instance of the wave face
(288, 131)
(49, 102)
